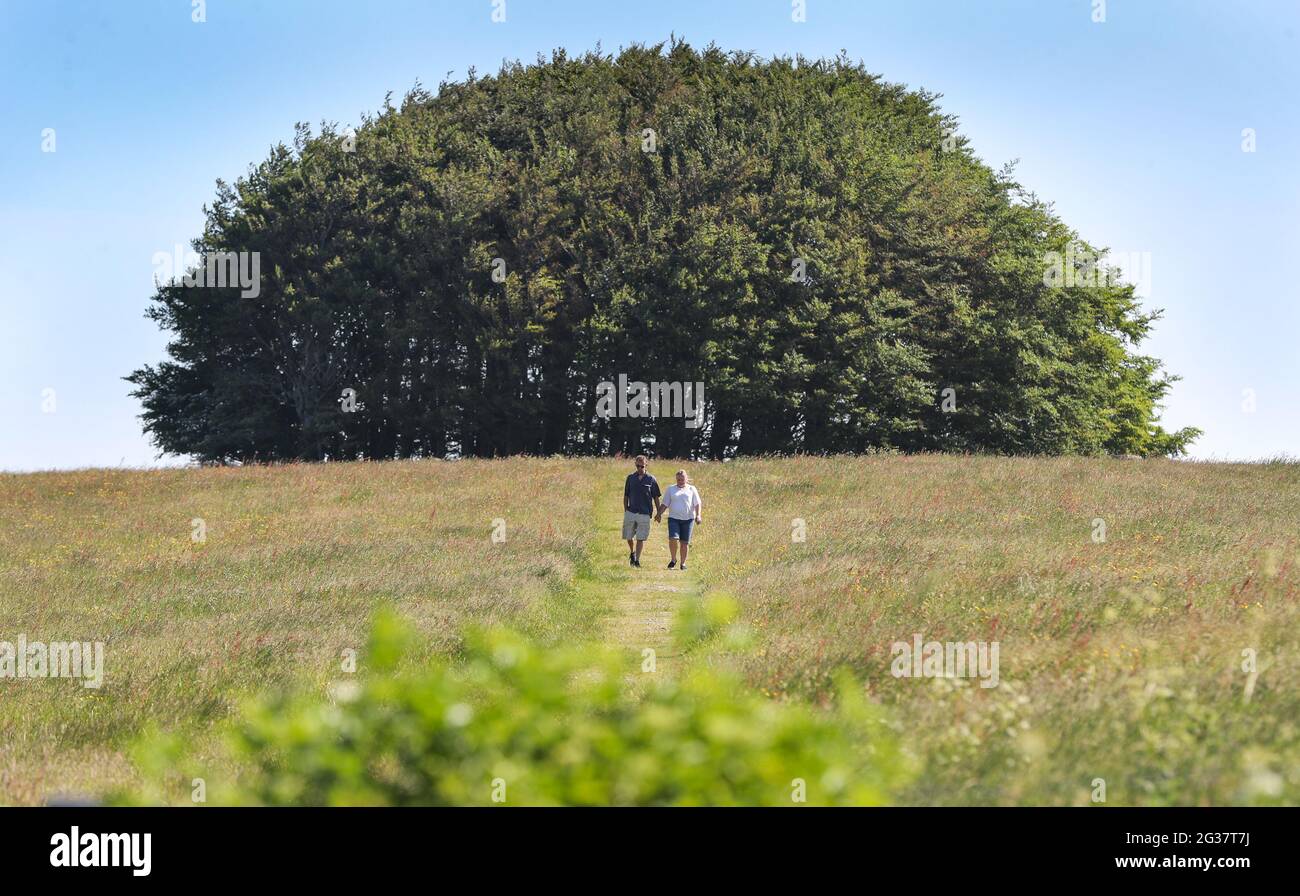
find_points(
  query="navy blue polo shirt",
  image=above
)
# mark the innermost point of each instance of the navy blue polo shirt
(642, 494)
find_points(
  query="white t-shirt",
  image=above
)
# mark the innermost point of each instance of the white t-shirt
(683, 503)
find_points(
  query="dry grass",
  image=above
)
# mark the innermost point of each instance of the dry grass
(1120, 660)
(295, 562)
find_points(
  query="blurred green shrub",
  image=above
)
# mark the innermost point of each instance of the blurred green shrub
(512, 723)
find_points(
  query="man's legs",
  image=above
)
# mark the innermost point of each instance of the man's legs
(686, 546)
(672, 549)
(638, 528)
(629, 532)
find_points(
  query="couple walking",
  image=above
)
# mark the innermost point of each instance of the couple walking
(641, 499)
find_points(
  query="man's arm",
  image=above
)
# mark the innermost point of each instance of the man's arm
(627, 495)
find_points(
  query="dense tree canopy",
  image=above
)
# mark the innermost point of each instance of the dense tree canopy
(816, 246)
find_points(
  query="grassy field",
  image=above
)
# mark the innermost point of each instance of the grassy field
(1124, 658)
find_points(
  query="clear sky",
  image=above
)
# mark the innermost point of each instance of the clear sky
(1132, 126)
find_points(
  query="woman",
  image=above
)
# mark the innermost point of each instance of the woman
(682, 502)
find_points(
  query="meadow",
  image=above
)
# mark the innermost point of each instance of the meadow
(1146, 611)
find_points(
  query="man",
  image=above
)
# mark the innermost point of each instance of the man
(640, 500)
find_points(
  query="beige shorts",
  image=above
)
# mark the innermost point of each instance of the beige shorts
(636, 525)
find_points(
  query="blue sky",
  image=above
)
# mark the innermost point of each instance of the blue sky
(1132, 126)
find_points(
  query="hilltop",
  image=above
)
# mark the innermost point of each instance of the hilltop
(1145, 611)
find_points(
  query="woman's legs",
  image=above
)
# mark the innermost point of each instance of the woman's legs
(672, 549)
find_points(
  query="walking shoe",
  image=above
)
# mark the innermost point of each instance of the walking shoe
(683, 567)
(636, 563)
(631, 559)
(672, 563)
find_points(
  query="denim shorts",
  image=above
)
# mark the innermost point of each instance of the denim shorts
(680, 529)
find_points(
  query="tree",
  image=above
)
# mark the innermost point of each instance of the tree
(810, 242)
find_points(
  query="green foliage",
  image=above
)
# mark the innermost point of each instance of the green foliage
(555, 727)
(924, 270)
(710, 619)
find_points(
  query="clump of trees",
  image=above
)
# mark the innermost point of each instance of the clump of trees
(817, 246)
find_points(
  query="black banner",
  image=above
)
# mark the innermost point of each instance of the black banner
(334, 846)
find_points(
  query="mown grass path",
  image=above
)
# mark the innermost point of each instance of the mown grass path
(641, 602)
